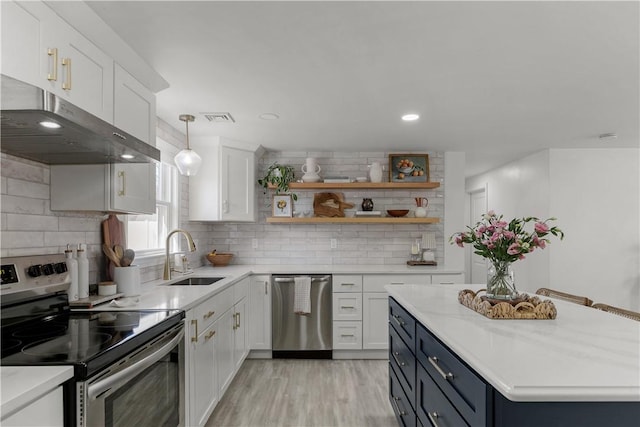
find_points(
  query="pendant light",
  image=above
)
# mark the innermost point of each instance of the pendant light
(187, 161)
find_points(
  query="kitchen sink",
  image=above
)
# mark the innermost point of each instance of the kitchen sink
(197, 281)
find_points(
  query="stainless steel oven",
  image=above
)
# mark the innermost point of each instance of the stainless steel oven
(144, 388)
(128, 365)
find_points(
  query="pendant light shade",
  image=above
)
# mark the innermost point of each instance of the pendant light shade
(187, 160)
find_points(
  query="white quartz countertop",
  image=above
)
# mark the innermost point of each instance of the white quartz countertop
(583, 355)
(23, 385)
(158, 294)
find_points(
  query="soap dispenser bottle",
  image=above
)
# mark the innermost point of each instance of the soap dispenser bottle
(83, 272)
(72, 267)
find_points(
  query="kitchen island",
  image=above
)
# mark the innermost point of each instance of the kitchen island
(452, 365)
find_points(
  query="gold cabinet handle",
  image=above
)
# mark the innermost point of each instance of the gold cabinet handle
(238, 320)
(235, 321)
(53, 76)
(265, 288)
(123, 183)
(66, 62)
(208, 315)
(195, 338)
(209, 335)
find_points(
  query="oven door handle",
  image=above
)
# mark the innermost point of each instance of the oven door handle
(120, 378)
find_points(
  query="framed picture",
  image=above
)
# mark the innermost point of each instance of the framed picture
(282, 205)
(408, 168)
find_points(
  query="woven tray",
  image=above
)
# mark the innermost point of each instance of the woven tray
(525, 307)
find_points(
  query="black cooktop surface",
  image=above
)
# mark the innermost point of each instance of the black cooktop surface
(87, 340)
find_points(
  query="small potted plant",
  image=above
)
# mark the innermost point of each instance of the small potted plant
(279, 176)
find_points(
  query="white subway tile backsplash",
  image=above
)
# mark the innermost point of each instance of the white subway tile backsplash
(23, 205)
(30, 222)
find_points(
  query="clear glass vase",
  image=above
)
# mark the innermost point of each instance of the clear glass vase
(500, 281)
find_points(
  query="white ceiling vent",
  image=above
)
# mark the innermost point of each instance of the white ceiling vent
(219, 117)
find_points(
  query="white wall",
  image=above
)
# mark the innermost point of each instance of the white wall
(595, 194)
(454, 206)
(599, 190)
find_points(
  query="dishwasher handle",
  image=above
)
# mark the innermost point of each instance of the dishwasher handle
(291, 279)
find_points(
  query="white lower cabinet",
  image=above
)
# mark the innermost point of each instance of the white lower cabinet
(375, 320)
(216, 347)
(204, 379)
(260, 313)
(224, 350)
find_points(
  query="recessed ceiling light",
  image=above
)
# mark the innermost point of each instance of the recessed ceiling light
(269, 116)
(608, 136)
(50, 125)
(410, 117)
(127, 156)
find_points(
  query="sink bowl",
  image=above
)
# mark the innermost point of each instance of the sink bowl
(197, 281)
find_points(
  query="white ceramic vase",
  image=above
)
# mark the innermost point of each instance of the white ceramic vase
(375, 172)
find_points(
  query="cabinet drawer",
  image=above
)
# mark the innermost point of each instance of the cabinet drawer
(347, 283)
(347, 306)
(433, 408)
(403, 323)
(207, 312)
(376, 283)
(404, 364)
(466, 391)
(447, 279)
(400, 402)
(347, 335)
(240, 290)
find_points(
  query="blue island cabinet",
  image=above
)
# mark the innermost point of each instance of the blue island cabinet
(430, 386)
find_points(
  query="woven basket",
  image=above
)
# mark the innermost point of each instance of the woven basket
(219, 259)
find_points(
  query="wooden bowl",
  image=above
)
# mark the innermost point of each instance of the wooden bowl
(220, 259)
(398, 212)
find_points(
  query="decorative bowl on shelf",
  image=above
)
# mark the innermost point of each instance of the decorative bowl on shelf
(219, 259)
(397, 212)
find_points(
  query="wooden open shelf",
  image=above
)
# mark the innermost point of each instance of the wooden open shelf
(352, 220)
(361, 185)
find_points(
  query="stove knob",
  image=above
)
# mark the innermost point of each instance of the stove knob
(47, 269)
(60, 267)
(34, 270)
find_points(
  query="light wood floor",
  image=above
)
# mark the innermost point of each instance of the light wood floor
(305, 393)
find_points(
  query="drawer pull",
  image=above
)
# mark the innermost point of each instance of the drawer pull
(347, 284)
(398, 320)
(347, 335)
(347, 306)
(395, 355)
(434, 362)
(209, 335)
(432, 417)
(395, 403)
(208, 315)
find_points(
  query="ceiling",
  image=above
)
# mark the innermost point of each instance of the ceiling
(497, 80)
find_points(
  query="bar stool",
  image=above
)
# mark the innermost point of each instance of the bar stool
(564, 296)
(619, 311)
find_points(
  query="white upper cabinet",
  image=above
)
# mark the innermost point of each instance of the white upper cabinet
(76, 70)
(224, 187)
(134, 109)
(21, 54)
(40, 48)
(126, 188)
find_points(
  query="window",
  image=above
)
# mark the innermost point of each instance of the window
(146, 233)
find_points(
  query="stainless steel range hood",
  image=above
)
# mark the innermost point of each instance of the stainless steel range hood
(81, 139)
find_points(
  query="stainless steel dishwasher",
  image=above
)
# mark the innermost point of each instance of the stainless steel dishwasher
(307, 336)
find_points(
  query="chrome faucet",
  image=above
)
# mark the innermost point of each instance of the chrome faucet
(192, 248)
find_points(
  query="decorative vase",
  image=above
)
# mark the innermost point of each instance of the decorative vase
(367, 204)
(500, 282)
(375, 172)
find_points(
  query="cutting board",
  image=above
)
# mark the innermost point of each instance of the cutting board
(112, 234)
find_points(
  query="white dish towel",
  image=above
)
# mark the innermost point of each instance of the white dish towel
(302, 295)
